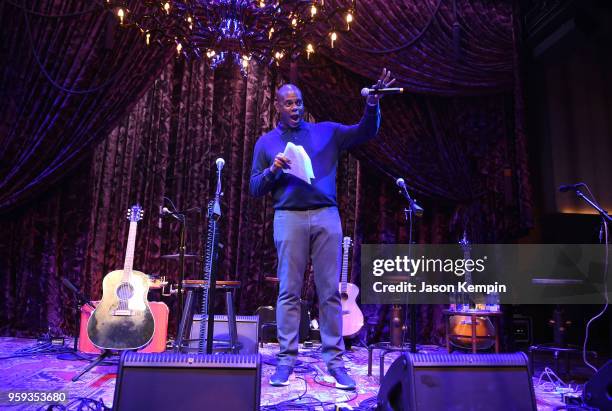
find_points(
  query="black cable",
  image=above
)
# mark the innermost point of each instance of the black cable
(54, 16)
(605, 281)
(79, 404)
(409, 42)
(108, 82)
(369, 403)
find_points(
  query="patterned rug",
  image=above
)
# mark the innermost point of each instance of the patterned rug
(42, 372)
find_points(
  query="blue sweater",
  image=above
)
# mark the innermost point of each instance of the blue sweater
(323, 142)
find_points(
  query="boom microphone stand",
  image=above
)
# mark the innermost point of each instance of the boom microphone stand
(413, 210)
(397, 326)
(80, 300)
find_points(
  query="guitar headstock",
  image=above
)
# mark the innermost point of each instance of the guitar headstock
(465, 244)
(135, 213)
(347, 242)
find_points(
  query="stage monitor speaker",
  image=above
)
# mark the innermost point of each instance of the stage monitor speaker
(186, 382)
(246, 325)
(598, 390)
(458, 382)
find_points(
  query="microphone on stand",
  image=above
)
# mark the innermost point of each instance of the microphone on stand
(381, 91)
(166, 211)
(220, 163)
(416, 209)
(570, 187)
(83, 300)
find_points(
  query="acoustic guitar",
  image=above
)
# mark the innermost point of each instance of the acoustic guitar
(123, 320)
(352, 317)
(461, 325)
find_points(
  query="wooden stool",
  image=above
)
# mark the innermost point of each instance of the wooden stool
(493, 315)
(187, 316)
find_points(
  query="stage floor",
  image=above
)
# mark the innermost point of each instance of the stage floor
(46, 372)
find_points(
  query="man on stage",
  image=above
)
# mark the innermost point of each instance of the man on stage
(306, 220)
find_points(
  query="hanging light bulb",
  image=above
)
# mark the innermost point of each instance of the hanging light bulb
(334, 37)
(148, 38)
(270, 33)
(294, 22)
(210, 54)
(309, 50)
(313, 11)
(245, 61)
(190, 21)
(349, 20)
(167, 7)
(121, 15)
(179, 47)
(262, 3)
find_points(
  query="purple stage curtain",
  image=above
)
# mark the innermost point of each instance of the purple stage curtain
(418, 42)
(68, 73)
(463, 153)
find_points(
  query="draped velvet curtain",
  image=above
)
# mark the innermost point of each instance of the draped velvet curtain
(457, 139)
(68, 72)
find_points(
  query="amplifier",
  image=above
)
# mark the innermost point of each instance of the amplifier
(186, 382)
(160, 313)
(247, 326)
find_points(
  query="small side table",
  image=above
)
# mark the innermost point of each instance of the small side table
(493, 315)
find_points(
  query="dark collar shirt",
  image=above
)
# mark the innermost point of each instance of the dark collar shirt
(323, 142)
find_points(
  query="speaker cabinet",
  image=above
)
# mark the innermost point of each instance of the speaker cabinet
(598, 390)
(186, 382)
(247, 327)
(428, 382)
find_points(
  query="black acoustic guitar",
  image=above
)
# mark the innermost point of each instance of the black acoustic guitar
(123, 320)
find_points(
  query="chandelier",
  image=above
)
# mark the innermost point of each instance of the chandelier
(239, 30)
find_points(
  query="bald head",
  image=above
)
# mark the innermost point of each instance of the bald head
(289, 105)
(283, 90)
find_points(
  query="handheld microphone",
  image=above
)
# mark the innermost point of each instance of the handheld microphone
(570, 187)
(381, 91)
(220, 163)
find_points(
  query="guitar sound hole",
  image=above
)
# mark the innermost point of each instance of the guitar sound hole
(125, 291)
(344, 296)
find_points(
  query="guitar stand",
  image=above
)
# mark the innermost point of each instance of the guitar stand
(105, 354)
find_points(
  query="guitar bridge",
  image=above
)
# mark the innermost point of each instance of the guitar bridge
(122, 312)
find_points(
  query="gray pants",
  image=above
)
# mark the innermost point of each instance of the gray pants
(300, 235)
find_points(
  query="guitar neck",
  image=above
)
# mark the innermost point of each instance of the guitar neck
(129, 253)
(344, 273)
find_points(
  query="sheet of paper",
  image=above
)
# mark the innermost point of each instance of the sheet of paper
(301, 166)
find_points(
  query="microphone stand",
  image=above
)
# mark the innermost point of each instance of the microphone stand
(181, 262)
(80, 300)
(181, 257)
(408, 214)
(413, 209)
(604, 214)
